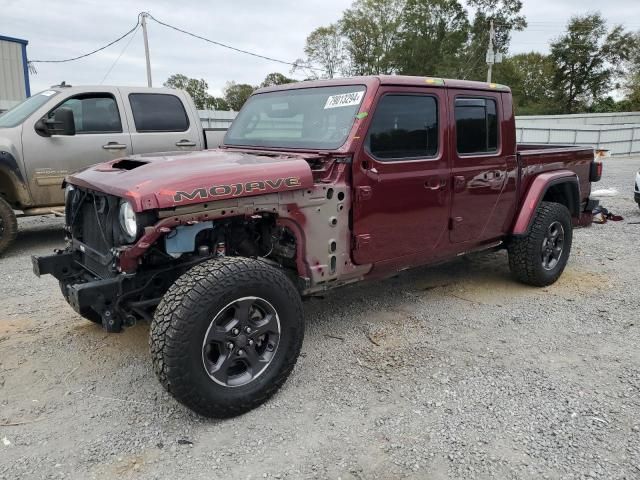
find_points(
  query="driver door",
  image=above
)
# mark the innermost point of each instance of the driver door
(401, 177)
(101, 135)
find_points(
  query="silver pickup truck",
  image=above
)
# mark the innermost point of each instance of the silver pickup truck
(64, 129)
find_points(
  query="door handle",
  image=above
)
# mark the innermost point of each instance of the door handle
(435, 183)
(114, 146)
(185, 143)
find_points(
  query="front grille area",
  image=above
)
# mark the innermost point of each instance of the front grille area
(92, 220)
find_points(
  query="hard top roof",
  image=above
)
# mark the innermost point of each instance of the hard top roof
(401, 80)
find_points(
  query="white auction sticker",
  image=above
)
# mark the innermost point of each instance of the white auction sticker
(48, 93)
(344, 100)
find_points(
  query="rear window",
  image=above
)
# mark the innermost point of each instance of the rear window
(476, 125)
(157, 112)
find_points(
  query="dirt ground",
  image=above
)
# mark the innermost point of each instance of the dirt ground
(440, 373)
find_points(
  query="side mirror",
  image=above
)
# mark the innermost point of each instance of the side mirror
(62, 123)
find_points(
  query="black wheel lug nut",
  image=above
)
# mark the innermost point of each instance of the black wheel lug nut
(230, 345)
(235, 331)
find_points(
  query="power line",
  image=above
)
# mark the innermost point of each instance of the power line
(92, 52)
(119, 56)
(220, 44)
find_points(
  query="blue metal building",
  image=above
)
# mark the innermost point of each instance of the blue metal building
(14, 72)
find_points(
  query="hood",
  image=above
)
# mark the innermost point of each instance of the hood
(165, 180)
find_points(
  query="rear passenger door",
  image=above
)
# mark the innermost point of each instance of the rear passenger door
(160, 122)
(479, 167)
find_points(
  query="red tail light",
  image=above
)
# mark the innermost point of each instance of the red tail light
(596, 172)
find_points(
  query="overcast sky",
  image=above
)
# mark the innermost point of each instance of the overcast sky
(276, 28)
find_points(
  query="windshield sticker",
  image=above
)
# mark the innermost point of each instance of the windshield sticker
(48, 93)
(362, 115)
(344, 100)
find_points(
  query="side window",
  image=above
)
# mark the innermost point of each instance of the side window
(404, 127)
(476, 125)
(158, 112)
(93, 113)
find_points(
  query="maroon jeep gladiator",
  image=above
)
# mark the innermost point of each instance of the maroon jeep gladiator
(317, 185)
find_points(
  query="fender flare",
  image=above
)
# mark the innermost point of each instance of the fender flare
(536, 192)
(9, 166)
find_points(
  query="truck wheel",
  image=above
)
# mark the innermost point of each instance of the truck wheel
(539, 257)
(226, 335)
(8, 225)
(87, 312)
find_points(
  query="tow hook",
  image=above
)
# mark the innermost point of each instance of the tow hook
(110, 322)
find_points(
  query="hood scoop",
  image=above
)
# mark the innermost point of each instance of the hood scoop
(128, 164)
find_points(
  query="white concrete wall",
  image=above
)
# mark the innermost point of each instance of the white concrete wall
(617, 132)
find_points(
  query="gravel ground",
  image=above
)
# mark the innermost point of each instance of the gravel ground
(440, 373)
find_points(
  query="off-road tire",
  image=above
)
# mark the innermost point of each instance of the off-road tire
(8, 225)
(525, 252)
(182, 320)
(87, 313)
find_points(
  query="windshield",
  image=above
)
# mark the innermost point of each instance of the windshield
(310, 118)
(22, 111)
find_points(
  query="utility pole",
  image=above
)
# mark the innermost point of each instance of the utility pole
(146, 46)
(491, 57)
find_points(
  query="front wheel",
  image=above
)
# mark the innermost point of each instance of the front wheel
(8, 225)
(226, 335)
(539, 257)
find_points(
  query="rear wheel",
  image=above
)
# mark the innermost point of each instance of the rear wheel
(226, 335)
(8, 225)
(539, 257)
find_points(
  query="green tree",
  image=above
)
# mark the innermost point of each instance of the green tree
(588, 58)
(632, 78)
(235, 94)
(506, 18)
(275, 78)
(433, 34)
(196, 88)
(530, 76)
(325, 48)
(370, 29)
(415, 37)
(218, 103)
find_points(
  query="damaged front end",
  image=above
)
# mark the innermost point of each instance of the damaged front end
(118, 264)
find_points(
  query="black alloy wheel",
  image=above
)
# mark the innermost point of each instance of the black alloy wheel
(241, 341)
(552, 245)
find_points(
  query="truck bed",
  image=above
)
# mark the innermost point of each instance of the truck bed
(548, 149)
(534, 159)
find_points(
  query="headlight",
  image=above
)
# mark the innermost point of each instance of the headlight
(128, 222)
(68, 190)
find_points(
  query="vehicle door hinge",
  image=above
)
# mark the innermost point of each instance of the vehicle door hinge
(361, 241)
(363, 193)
